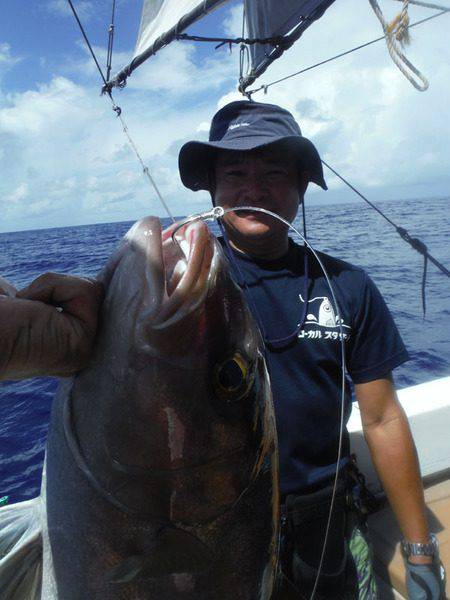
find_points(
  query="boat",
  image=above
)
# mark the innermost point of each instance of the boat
(427, 406)
(271, 28)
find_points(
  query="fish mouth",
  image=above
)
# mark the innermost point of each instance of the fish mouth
(178, 269)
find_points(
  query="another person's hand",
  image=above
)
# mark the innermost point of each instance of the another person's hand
(48, 328)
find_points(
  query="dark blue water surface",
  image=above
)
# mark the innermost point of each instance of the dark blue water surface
(352, 232)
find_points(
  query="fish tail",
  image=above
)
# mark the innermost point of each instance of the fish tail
(21, 551)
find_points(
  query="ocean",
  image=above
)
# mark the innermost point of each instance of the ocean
(352, 232)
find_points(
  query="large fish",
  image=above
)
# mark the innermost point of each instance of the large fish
(161, 466)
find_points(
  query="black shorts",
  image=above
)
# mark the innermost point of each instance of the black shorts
(346, 572)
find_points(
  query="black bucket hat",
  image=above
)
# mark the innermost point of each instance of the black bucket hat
(246, 125)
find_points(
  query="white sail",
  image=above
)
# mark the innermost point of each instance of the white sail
(163, 20)
(160, 16)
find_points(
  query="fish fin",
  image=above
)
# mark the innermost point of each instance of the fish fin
(6, 289)
(21, 551)
(174, 551)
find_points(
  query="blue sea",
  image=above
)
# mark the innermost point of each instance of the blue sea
(352, 232)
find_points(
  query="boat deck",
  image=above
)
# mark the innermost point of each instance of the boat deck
(386, 536)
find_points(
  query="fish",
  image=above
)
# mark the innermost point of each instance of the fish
(161, 472)
(326, 316)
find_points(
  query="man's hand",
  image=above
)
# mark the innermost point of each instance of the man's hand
(394, 455)
(48, 328)
(425, 582)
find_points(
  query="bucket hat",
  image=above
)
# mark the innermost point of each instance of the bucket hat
(247, 125)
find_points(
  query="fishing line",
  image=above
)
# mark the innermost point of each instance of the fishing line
(219, 212)
(276, 342)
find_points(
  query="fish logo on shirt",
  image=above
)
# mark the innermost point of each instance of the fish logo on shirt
(322, 313)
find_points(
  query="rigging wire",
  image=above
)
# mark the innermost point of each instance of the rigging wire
(426, 4)
(415, 243)
(145, 169)
(110, 42)
(75, 14)
(118, 112)
(265, 87)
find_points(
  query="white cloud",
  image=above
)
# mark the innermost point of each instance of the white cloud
(232, 24)
(18, 194)
(64, 147)
(202, 127)
(68, 162)
(5, 53)
(176, 70)
(7, 59)
(366, 119)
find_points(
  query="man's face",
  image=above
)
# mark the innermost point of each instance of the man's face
(266, 178)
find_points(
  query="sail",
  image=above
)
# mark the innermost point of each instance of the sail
(283, 21)
(161, 22)
(160, 16)
(277, 19)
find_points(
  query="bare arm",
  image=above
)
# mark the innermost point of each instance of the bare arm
(36, 337)
(394, 455)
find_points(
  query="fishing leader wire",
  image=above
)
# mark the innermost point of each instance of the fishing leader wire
(218, 212)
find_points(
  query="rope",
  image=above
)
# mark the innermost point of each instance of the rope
(396, 34)
(110, 42)
(265, 87)
(118, 112)
(415, 243)
(400, 24)
(274, 41)
(424, 283)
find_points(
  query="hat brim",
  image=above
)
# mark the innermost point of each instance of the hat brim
(195, 158)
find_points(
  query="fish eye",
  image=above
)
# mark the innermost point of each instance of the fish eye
(232, 377)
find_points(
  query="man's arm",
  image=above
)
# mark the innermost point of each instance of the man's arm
(394, 456)
(48, 328)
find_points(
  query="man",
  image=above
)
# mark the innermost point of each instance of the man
(47, 328)
(256, 156)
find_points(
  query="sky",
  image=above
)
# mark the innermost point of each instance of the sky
(65, 160)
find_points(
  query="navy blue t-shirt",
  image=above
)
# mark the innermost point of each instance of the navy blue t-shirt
(306, 373)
